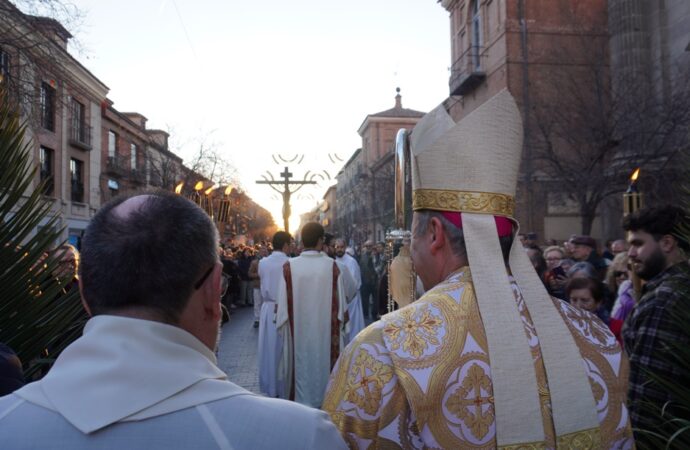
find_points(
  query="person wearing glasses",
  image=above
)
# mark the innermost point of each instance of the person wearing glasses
(144, 373)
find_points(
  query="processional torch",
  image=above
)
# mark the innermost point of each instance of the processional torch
(401, 275)
(632, 201)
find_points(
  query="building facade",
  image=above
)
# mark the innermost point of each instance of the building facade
(366, 184)
(61, 103)
(530, 48)
(85, 150)
(566, 63)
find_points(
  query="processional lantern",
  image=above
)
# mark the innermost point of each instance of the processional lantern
(632, 198)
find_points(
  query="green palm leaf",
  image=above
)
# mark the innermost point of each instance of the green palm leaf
(38, 318)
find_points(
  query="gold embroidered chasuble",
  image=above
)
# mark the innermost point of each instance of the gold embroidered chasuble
(421, 377)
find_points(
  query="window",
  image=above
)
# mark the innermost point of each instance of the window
(47, 107)
(133, 156)
(76, 168)
(46, 170)
(79, 132)
(4, 65)
(476, 34)
(112, 146)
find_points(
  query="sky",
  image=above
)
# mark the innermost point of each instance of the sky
(267, 81)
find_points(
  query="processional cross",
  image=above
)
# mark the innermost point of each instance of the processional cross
(285, 192)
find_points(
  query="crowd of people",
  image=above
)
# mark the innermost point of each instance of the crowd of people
(510, 345)
(577, 271)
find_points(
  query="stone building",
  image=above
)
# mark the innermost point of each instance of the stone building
(85, 150)
(61, 102)
(650, 57)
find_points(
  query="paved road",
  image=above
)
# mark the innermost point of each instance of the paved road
(238, 348)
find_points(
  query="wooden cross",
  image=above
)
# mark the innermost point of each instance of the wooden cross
(286, 192)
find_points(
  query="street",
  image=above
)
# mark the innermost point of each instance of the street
(238, 349)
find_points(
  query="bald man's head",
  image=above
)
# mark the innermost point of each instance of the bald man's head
(146, 251)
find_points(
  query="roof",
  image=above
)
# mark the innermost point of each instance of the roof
(398, 112)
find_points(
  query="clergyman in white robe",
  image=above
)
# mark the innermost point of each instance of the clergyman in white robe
(270, 344)
(354, 307)
(312, 322)
(143, 385)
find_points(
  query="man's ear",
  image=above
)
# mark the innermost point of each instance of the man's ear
(83, 300)
(211, 297)
(668, 243)
(437, 235)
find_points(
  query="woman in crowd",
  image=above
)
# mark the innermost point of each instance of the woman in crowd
(554, 276)
(587, 294)
(618, 279)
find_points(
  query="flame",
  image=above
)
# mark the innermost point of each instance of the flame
(209, 190)
(178, 188)
(634, 175)
(199, 185)
(228, 190)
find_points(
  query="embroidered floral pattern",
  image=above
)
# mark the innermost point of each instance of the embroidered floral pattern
(415, 329)
(592, 329)
(366, 381)
(467, 402)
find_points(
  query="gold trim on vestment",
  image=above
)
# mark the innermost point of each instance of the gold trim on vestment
(585, 439)
(464, 201)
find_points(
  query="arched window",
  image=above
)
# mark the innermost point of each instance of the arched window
(476, 33)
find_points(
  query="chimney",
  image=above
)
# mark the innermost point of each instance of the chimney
(398, 99)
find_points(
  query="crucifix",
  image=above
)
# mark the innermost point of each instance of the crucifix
(285, 192)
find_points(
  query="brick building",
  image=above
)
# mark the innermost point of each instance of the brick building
(520, 45)
(365, 190)
(584, 133)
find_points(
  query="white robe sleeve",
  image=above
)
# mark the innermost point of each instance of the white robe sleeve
(343, 299)
(283, 329)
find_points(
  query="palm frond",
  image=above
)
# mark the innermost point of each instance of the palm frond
(38, 316)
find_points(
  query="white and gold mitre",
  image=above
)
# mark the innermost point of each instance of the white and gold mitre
(472, 167)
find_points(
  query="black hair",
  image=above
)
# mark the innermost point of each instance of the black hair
(149, 259)
(280, 239)
(659, 221)
(311, 233)
(327, 238)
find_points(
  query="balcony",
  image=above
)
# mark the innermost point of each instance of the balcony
(467, 71)
(80, 135)
(138, 175)
(116, 165)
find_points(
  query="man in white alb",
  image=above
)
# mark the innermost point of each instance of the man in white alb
(270, 345)
(354, 308)
(311, 319)
(143, 376)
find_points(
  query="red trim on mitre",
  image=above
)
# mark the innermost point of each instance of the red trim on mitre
(504, 226)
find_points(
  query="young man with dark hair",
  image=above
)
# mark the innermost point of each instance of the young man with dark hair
(658, 254)
(311, 318)
(144, 373)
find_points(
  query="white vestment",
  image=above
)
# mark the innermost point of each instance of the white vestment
(144, 385)
(270, 344)
(311, 320)
(354, 308)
